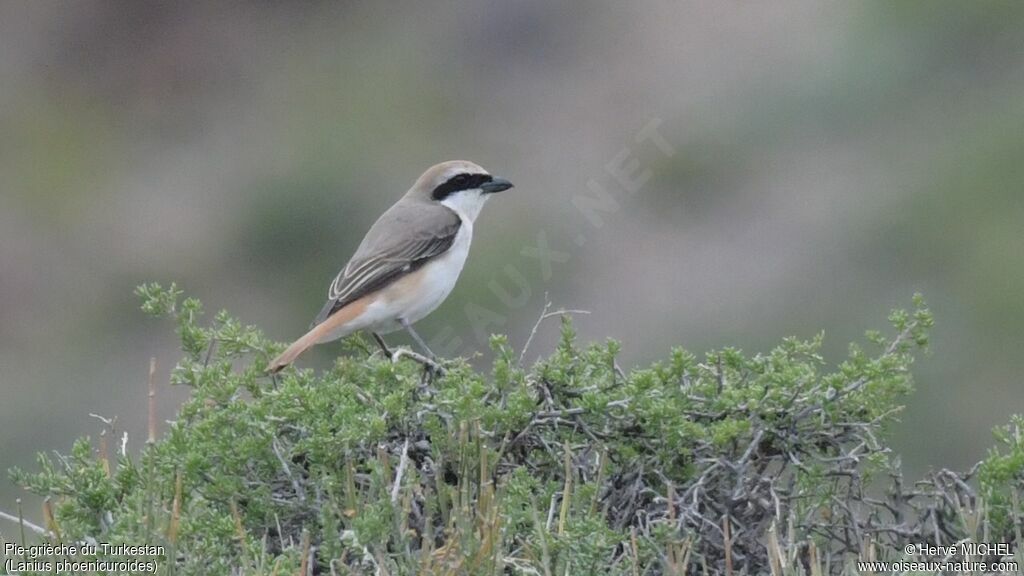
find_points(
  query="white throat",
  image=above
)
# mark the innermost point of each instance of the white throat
(467, 204)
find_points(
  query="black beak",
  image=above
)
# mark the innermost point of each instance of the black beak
(495, 185)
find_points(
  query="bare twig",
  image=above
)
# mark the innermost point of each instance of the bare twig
(26, 524)
(151, 438)
(544, 315)
(427, 362)
(402, 463)
(288, 472)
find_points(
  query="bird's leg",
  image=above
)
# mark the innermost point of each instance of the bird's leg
(430, 360)
(383, 345)
(429, 364)
(416, 337)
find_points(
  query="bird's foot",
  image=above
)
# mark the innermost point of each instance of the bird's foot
(431, 366)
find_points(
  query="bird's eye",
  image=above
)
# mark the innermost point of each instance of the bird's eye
(454, 184)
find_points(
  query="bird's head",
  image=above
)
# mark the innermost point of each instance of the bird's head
(460, 185)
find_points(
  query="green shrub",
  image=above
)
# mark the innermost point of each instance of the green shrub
(572, 466)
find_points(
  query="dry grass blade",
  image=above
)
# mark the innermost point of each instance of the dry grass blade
(151, 401)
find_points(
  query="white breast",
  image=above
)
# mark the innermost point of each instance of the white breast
(439, 276)
(417, 294)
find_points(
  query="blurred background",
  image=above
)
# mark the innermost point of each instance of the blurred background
(827, 161)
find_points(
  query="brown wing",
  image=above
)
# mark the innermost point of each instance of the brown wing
(404, 238)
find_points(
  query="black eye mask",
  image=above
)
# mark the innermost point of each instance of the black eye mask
(458, 183)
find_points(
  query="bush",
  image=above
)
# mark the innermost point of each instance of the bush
(721, 464)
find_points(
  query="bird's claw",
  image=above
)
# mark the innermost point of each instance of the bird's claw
(430, 365)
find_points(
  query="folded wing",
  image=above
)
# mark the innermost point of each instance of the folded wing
(404, 238)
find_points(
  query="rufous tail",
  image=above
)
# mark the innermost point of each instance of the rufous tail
(327, 330)
(292, 352)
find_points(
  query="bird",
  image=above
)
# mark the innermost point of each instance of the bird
(408, 262)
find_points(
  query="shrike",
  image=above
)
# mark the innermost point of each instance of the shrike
(408, 262)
